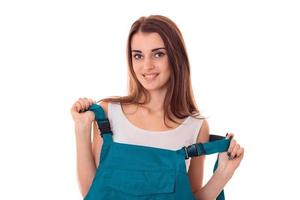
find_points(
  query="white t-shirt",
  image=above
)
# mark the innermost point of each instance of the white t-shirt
(125, 132)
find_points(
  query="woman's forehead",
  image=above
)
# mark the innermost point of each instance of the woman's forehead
(146, 41)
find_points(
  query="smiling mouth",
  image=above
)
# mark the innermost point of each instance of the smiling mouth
(150, 77)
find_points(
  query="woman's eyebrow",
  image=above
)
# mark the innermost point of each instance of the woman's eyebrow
(139, 51)
(158, 48)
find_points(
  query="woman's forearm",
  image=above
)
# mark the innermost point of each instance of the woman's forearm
(213, 187)
(86, 167)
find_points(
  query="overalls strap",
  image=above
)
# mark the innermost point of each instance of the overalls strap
(215, 144)
(103, 123)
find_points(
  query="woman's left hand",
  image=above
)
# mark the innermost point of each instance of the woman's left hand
(230, 160)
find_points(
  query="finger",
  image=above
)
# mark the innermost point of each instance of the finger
(240, 152)
(80, 105)
(234, 151)
(82, 99)
(240, 157)
(91, 101)
(231, 145)
(84, 105)
(76, 106)
(229, 135)
(85, 102)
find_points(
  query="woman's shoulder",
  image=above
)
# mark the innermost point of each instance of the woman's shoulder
(198, 118)
(203, 134)
(203, 126)
(105, 104)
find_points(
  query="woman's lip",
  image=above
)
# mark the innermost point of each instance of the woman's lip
(150, 77)
(150, 74)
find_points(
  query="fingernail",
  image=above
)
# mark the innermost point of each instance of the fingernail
(227, 136)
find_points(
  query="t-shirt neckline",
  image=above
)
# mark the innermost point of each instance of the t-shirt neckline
(149, 131)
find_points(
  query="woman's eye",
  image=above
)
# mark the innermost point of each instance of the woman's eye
(159, 54)
(137, 56)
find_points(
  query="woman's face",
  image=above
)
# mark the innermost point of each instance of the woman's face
(150, 60)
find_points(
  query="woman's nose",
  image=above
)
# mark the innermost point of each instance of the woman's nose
(148, 64)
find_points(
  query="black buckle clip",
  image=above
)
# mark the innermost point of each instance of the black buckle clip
(191, 151)
(104, 127)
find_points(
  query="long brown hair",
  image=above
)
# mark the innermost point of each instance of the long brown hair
(179, 98)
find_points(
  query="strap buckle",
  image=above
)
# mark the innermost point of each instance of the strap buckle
(191, 151)
(194, 150)
(104, 127)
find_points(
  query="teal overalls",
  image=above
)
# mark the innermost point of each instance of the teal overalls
(134, 172)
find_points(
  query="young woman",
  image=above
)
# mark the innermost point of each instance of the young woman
(159, 110)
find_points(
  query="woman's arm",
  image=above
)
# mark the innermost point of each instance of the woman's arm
(226, 168)
(88, 152)
(213, 187)
(222, 175)
(86, 167)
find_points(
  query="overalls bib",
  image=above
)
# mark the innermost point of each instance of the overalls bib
(135, 172)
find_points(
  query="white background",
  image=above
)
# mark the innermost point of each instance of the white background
(244, 57)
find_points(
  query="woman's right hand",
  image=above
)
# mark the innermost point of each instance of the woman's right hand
(83, 119)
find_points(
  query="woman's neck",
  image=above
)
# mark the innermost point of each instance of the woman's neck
(156, 103)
